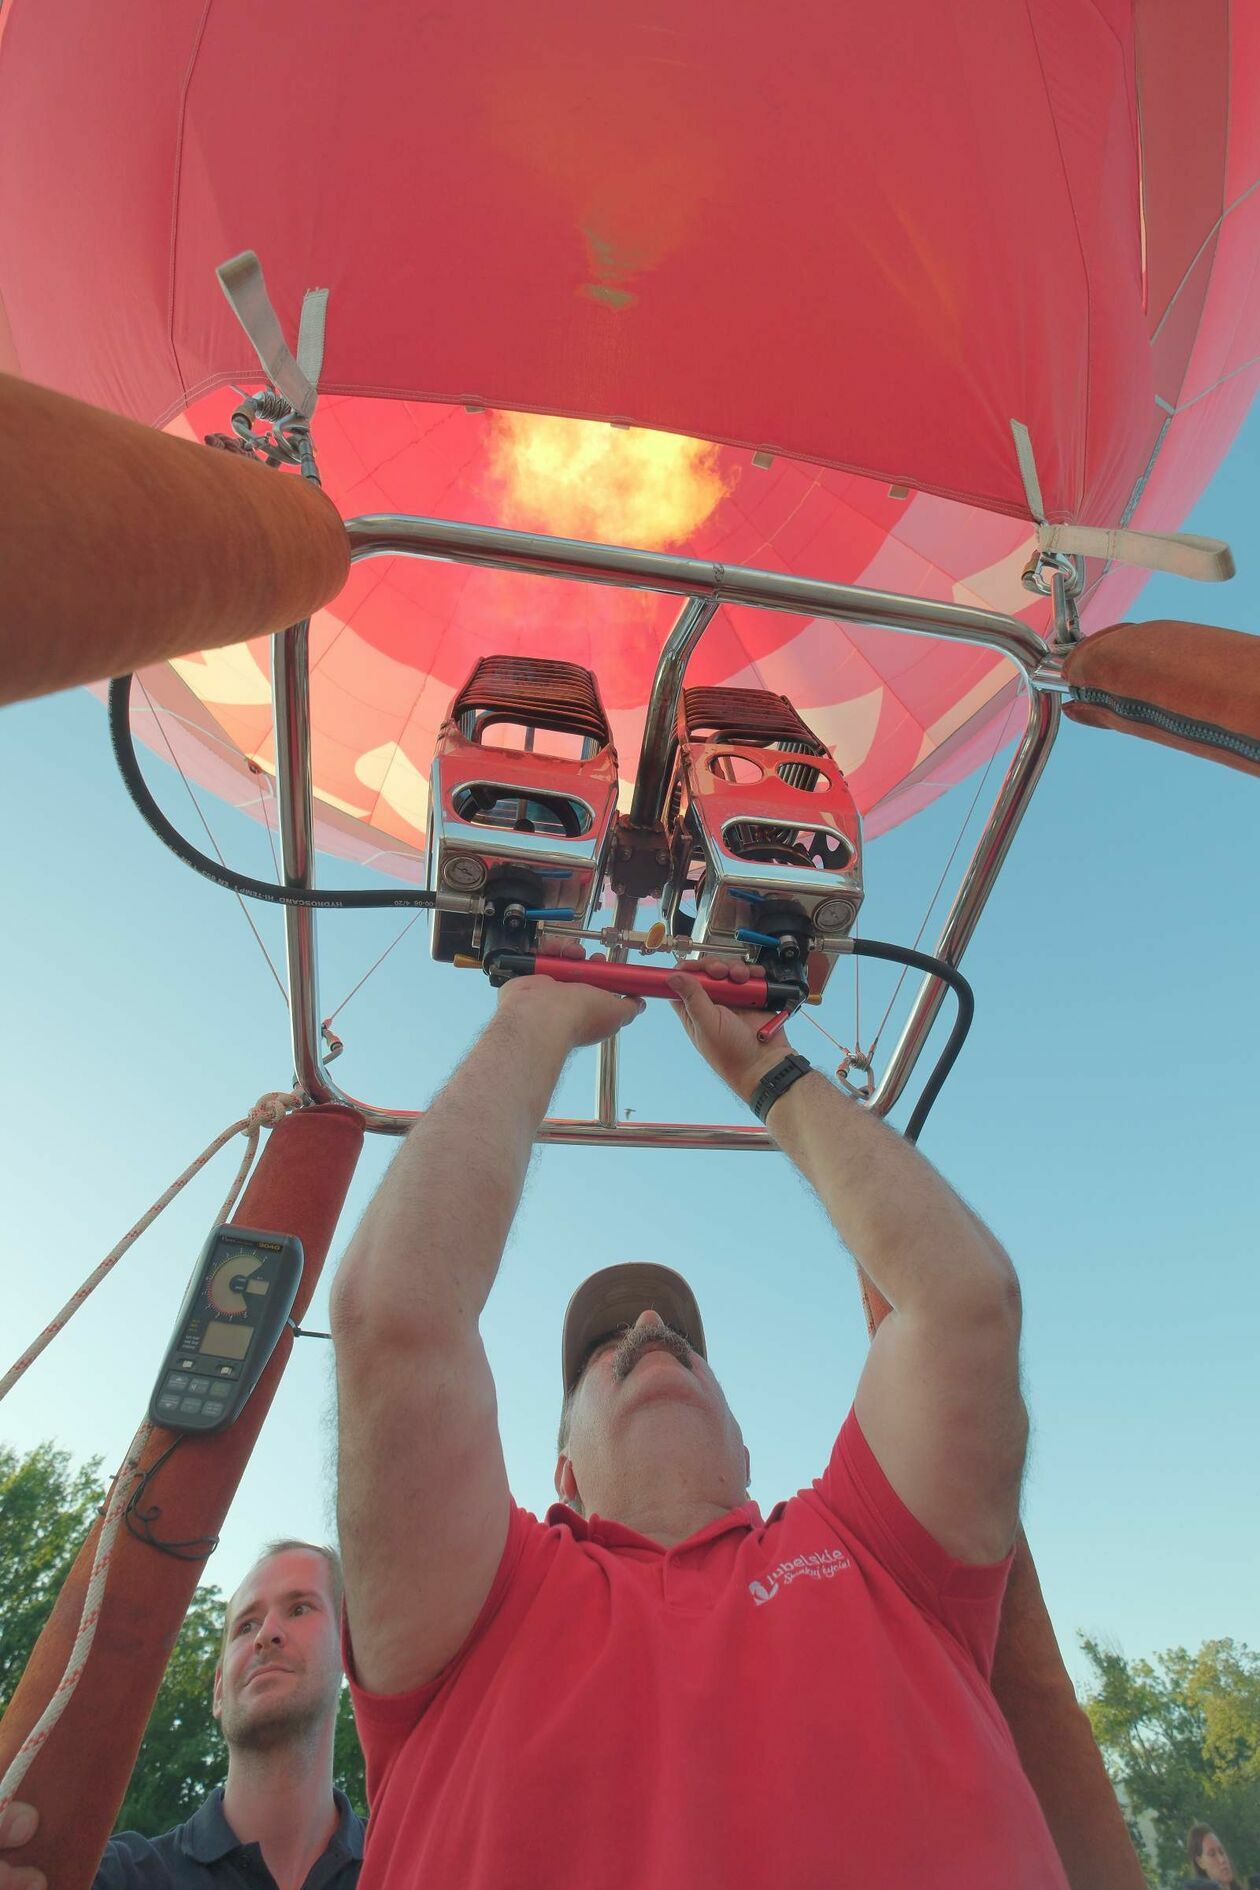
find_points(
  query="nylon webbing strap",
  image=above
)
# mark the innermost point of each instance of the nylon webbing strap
(310, 348)
(241, 279)
(1028, 470)
(1210, 560)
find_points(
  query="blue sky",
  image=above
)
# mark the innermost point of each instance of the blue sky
(1102, 1119)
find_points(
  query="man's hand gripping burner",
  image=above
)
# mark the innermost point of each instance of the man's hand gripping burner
(655, 1686)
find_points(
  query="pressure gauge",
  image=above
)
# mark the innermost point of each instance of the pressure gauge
(834, 914)
(463, 872)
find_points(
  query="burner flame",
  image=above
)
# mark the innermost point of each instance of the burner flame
(626, 486)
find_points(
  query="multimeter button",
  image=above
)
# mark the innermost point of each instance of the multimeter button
(190, 1407)
(213, 1407)
(168, 1402)
(227, 1371)
(177, 1383)
(187, 1364)
(198, 1387)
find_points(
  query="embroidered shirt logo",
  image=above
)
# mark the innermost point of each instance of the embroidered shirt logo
(820, 1566)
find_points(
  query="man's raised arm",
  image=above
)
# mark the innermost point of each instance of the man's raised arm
(939, 1399)
(422, 1495)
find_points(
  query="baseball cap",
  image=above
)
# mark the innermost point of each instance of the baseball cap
(614, 1297)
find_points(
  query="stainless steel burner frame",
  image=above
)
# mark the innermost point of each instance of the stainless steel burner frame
(704, 588)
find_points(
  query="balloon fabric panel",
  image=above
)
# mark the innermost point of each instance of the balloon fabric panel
(862, 242)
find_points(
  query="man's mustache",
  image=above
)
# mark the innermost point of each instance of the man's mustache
(641, 1339)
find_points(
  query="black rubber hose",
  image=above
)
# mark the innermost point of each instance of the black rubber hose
(923, 961)
(170, 836)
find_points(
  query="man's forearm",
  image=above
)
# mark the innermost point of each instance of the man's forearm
(426, 1253)
(902, 1223)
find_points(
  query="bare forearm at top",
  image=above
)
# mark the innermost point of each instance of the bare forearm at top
(427, 1251)
(900, 1220)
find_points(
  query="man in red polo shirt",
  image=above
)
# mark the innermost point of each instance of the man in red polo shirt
(656, 1688)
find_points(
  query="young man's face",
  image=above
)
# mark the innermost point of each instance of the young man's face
(280, 1674)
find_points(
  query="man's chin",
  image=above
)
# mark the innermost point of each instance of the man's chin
(670, 1382)
(263, 1726)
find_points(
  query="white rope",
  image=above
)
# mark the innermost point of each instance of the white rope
(268, 1110)
(120, 1496)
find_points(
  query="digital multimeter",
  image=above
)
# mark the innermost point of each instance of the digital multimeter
(236, 1307)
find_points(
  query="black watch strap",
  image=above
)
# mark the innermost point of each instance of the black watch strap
(776, 1082)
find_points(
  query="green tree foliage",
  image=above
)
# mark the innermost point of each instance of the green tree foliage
(1181, 1734)
(46, 1509)
(181, 1756)
(348, 1757)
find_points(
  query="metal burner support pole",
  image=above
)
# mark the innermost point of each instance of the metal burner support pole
(291, 707)
(651, 784)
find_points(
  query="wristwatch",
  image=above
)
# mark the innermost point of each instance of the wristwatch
(776, 1082)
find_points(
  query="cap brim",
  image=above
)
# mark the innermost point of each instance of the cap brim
(614, 1298)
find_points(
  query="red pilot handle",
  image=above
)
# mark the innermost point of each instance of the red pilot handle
(652, 981)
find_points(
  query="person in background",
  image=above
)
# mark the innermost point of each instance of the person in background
(276, 1822)
(1209, 1860)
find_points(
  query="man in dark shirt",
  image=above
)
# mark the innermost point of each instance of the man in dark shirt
(277, 1820)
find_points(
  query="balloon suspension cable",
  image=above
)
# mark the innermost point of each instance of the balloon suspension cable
(937, 968)
(130, 1483)
(175, 762)
(869, 1053)
(850, 1059)
(375, 966)
(948, 974)
(266, 818)
(222, 875)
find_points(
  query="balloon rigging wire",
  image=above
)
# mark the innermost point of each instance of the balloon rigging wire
(213, 842)
(966, 822)
(262, 804)
(371, 968)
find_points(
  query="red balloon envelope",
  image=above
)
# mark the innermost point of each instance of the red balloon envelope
(859, 240)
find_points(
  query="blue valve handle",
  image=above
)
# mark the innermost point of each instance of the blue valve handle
(747, 936)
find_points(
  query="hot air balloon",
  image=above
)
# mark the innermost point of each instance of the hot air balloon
(663, 369)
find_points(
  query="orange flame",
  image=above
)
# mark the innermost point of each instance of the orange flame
(623, 486)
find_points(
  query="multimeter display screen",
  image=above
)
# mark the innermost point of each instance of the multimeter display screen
(225, 1341)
